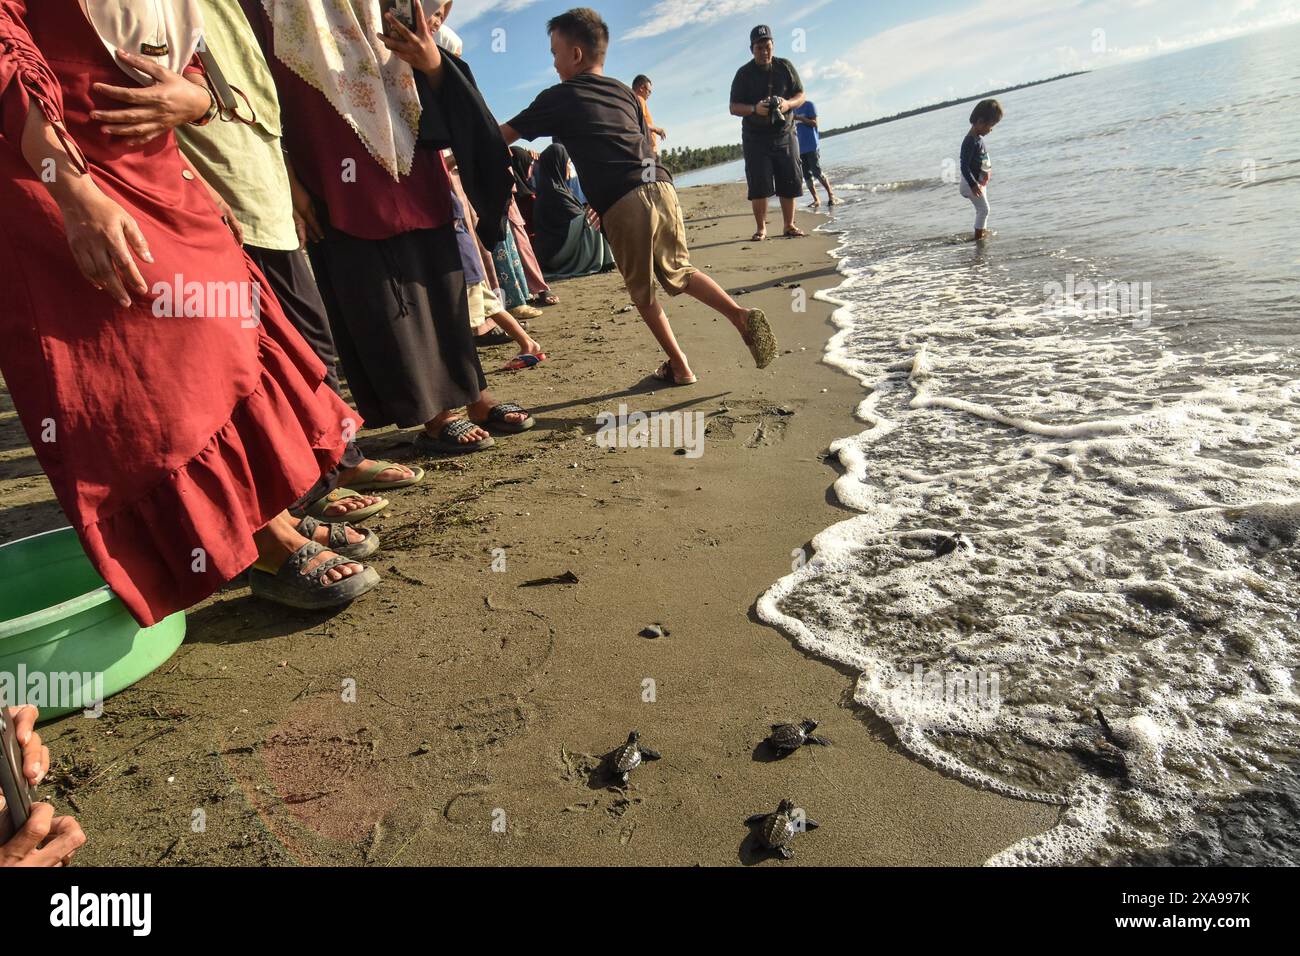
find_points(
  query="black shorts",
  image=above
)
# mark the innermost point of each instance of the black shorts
(772, 166)
(812, 164)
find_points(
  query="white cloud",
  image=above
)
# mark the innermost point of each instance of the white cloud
(669, 15)
(467, 11)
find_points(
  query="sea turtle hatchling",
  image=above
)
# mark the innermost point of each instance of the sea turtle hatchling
(787, 738)
(628, 756)
(775, 830)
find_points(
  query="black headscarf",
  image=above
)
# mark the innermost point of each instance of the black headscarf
(556, 206)
(521, 160)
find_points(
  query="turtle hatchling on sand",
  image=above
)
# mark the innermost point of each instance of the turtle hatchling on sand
(776, 830)
(787, 738)
(629, 756)
(953, 542)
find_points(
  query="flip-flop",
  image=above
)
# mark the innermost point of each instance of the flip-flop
(368, 482)
(291, 586)
(447, 441)
(496, 420)
(760, 339)
(758, 237)
(664, 373)
(524, 360)
(546, 298)
(795, 233)
(338, 537)
(317, 508)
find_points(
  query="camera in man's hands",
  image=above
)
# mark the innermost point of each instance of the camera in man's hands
(774, 111)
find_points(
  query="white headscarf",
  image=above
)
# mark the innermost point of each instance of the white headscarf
(332, 45)
(167, 32)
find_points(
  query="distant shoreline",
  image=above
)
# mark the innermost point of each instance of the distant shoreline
(721, 155)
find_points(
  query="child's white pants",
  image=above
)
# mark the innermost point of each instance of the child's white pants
(981, 202)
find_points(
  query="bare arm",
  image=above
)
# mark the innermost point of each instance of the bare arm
(508, 134)
(102, 236)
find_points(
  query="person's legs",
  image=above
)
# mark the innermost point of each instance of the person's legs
(788, 179)
(657, 321)
(810, 169)
(787, 213)
(701, 287)
(830, 193)
(759, 178)
(760, 217)
(981, 203)
(289, 276)
(508, 324)
(670, 257)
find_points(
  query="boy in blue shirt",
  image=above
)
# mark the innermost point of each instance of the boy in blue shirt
(975, 164)
(805, 118)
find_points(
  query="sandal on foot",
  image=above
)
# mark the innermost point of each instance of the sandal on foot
(338, 537)
(664, 373)
(758, 336)
(496, 419)
(524, 360)
(293, 586)
(447, 441)
(546, 298)
(758, 237)
(369, 478)
(317, 508)
(794, 232)
(488, 339)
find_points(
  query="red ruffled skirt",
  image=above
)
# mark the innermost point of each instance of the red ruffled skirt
(172, 430)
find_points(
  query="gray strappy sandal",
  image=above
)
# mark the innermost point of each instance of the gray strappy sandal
(290, 586)
(338, 537)
(497, 422)
(448, 440)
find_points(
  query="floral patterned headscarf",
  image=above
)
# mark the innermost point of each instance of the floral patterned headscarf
(332, 45)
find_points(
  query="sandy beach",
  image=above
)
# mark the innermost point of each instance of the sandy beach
(482, 706)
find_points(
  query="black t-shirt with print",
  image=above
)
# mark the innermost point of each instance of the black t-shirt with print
(600, 122)
(753, 83)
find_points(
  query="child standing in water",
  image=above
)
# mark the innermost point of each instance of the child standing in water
(975, 162)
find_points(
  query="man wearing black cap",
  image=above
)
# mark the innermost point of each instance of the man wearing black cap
(764, 93)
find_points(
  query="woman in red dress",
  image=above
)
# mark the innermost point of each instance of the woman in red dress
(174, 410)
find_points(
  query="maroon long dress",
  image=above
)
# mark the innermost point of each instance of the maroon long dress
(168, 440)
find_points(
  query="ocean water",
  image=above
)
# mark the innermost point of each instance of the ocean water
(1104, 401)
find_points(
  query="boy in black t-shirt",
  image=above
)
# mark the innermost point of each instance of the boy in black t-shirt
(601, 123)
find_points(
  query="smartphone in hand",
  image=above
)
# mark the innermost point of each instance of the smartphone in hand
(404, 10)
(18, 793)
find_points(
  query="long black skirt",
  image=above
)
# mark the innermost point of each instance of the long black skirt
(400, 317)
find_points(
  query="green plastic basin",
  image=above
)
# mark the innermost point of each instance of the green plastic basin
(60, 622)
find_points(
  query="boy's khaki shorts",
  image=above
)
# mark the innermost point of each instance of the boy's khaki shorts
(646, 233)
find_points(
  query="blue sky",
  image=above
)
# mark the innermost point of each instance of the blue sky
(858, 59)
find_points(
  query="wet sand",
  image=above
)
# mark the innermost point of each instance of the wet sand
(455, 716)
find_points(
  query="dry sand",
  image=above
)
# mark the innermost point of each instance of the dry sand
(481, 707)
